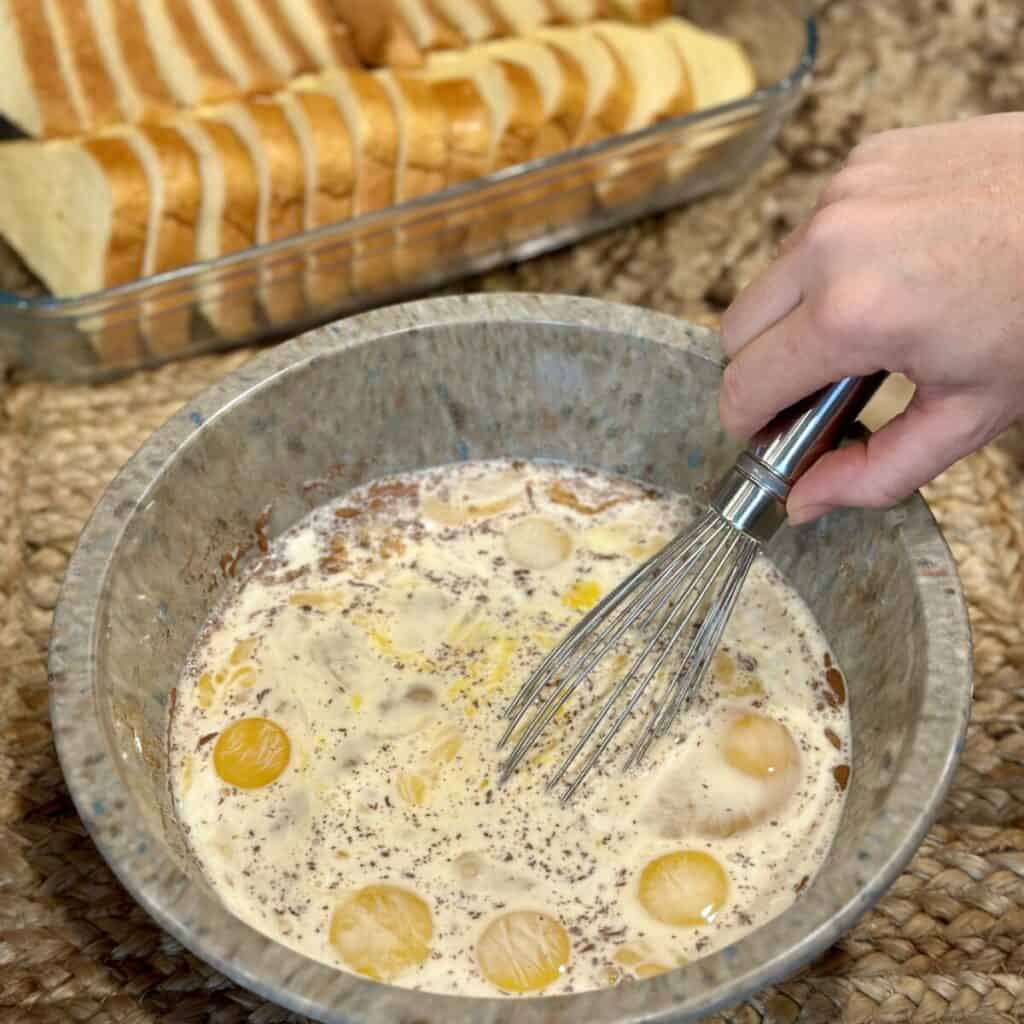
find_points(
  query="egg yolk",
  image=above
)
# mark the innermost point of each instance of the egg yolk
(683, 888)
(639, 961)
(523, 951)
(382, 930)
(251, 753)
(537, 543)
(759, 746)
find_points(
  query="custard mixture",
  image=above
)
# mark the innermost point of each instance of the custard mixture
(334, 761)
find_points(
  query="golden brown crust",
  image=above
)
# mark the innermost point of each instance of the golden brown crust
(285, 168)
(613, 117)
(56, 106)
(217, 82)
(338, 34)
(97, 85)
(137, 53)
(379, 33)
(467, 129)
(335, 162)
(241, 187)
(375, 187)
(446, 35)
(425, 139)
(526, 133)
(302, 61)
(129, 214)
(502, 26)
(179, 168)
(572, 106)
(262, 77)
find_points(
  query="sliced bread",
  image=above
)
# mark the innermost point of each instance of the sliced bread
(227, 221)
(175, 197)
(372, 127)
(609, 87)
(562, 88)
(39, 93)
(429, 27)
(380, 34)
(320, 127)
(323, 34)
(471, 18)
(469, 152)
(136, 50)
(420, 169)
(719, 68)
(100, 93)
(77, 212)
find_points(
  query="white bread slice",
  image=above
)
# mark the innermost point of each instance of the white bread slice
(470, 17)
(562, 88)
(576, 12)
(512, 96)
(271, 37)
(278, 157)
(227, 221)
(185, 59)
(63, 48)
(720, 73)
(420, 169)
(609, 87)
(419, 118)
(176, 196)
(428, 25)
(371, 124)
(75, 211)
(719, 68)
(320, 127)
(660, 81)
(99, 90)
(130, 102)
(516, 117)
(518, 17)
(661, 89)
(136, 51)
(34, 95)
(641, 12)
(225, 30)
(469, 153)
(324, 37)
(380, 34)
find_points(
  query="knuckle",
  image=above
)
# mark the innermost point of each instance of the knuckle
(828, 227)
(732, 397)
(844, 312)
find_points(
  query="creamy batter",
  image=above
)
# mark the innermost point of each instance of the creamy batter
(333, 746)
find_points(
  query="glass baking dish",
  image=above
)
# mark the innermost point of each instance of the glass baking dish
(277, 290)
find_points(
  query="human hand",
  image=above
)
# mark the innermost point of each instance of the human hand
(913, 262)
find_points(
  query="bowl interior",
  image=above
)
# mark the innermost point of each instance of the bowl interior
(433, 383)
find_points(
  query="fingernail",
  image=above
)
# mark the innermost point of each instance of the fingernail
(802, 514)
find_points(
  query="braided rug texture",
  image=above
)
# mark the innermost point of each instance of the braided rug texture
(945, 944)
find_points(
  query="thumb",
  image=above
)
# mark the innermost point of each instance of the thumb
(909, 451)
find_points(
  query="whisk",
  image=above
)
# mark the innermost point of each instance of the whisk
(689, 587)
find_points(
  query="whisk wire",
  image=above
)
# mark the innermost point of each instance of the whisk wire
(697, 659)
(590, 621)
(620, 688)
(652, 587)
(582, 657)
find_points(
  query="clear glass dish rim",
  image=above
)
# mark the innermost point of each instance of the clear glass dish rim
(13, 306)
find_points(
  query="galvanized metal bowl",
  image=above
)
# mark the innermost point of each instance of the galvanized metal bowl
(431, 383)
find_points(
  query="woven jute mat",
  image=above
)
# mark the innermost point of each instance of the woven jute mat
(945, 944)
